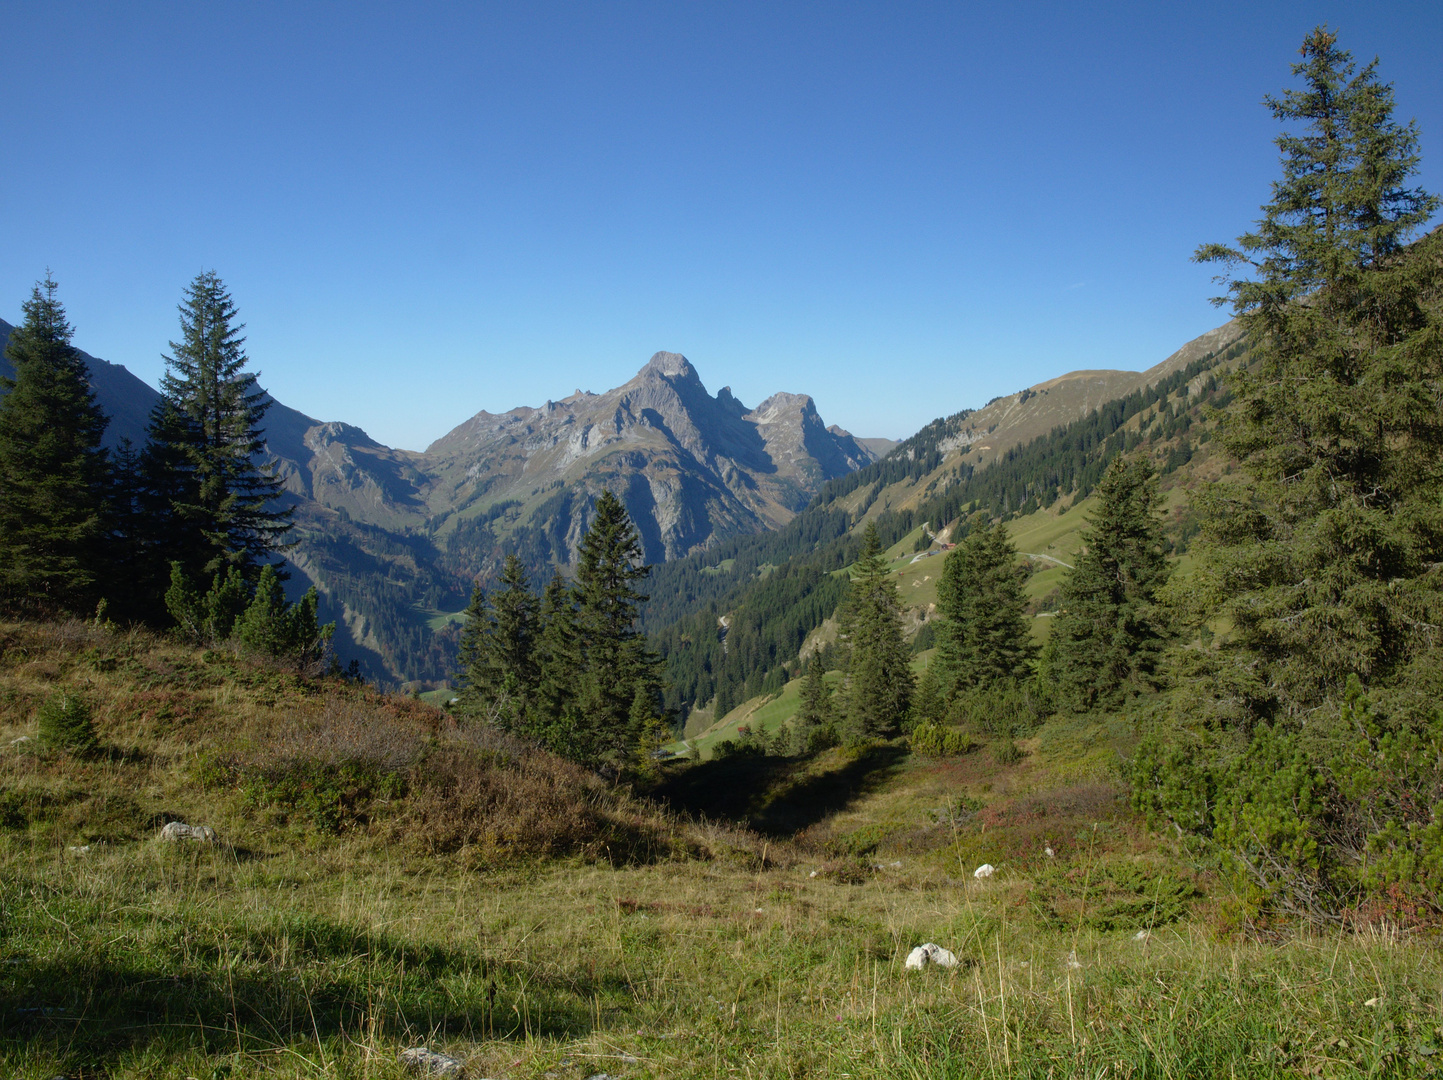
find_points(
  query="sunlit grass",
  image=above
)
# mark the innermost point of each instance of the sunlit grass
(291, 951)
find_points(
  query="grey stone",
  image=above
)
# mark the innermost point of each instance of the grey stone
(425, 1060)
(179, 830)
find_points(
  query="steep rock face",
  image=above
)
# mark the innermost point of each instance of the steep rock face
(689, 466)
(348, 470)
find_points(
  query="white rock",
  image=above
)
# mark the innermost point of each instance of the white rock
(1371, 1003)
(1048, 852)
(943, 957)
(933, 953)
(179, 830)
(813, 874)
(422, 1059)
(986, 870)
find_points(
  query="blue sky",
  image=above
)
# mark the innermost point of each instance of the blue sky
(425, 210)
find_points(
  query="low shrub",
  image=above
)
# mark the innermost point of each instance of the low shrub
(327, 797)
(934, 740)
(1115, 894)
(1007, 752)
(1003, 710)
(64, 724)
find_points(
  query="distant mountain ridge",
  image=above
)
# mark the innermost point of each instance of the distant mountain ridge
(394, 538)
(690, 467)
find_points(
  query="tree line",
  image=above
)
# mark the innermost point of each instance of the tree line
(1107, 642)
(181, 532)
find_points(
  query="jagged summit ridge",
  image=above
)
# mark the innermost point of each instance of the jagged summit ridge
(699, 467)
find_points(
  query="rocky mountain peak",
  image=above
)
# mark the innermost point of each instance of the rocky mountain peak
(783, 406)
(729, 403)
(669, 365)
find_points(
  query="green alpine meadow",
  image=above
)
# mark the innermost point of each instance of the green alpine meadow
(1093, 732)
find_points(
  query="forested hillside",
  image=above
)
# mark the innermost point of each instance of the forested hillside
(775, 589)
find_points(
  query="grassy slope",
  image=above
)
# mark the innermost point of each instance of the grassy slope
(290, 949)
(1047, 539)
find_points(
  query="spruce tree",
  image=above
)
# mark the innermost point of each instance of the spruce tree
(53, 471)
(134, 590)
(814, 716)
(1304, 738)
(985, 639)
(500, 663)
(1342, 203)
(1110, 630)
(556, 719)
(164, 534)
(206, 435)
(616, 662)
(1316, 556)
(878, 676)
(273, 627)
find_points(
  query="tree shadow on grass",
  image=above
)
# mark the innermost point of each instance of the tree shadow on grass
(257, 990)
(776, 796)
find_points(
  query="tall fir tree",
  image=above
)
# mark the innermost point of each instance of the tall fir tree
(1304, 739)
(984, 636)
(1110, 630)
(1342, 203)
(1316, 556)
(878, 683)
(205, 437)
(53, 470)
(616, 662)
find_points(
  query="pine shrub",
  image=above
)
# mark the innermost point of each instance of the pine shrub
(1008, 753)
(934, 740)
(64, 721)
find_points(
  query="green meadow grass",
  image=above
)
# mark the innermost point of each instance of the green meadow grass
(312, 942)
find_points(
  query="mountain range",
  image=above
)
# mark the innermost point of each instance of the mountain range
(394, 538)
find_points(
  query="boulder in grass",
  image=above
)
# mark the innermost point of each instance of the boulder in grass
(930, 953)
(421, 1059)
(179, 830)
(986, 870)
